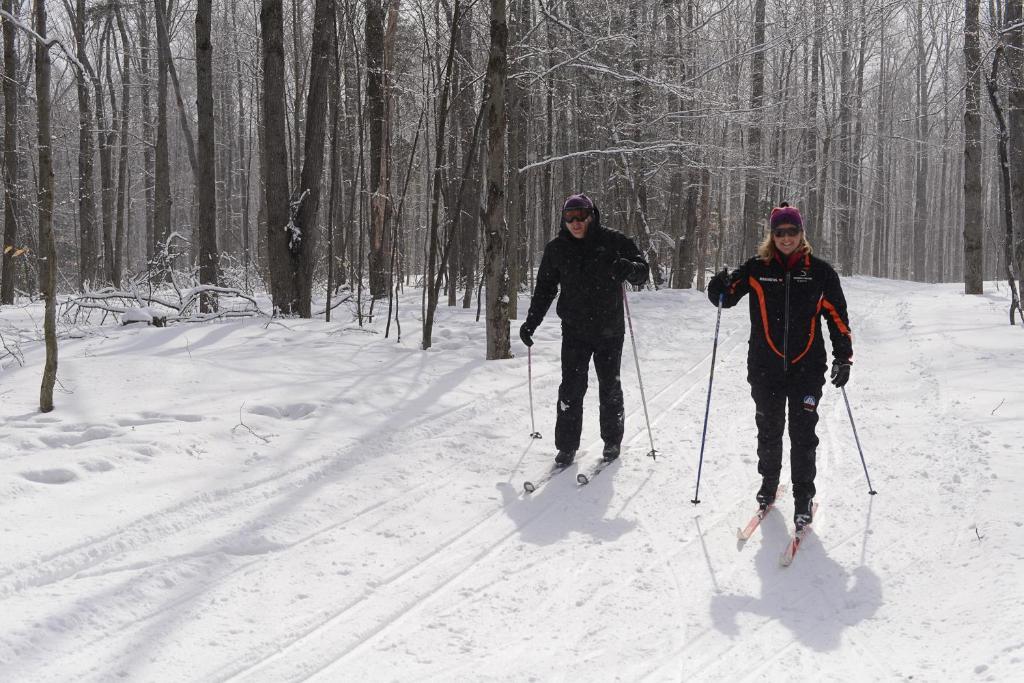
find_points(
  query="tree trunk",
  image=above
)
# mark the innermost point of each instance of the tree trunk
(88, 247)
(1015, 99)
(275, 163)
(10, 243)
(164, 48)
(752, 219)
(122, 163)
(810, 142)
(379, 37)
(844, 209)
(148, 128)
(206, 179)
(467, 222)
(496, 257)
(48, 265)
(308, 191)
(919, 253)
(162, 171)
(879, 193)
(435, 249)
(973, 253)
(105, 140)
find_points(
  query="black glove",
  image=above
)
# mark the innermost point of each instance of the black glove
(840, 372)
(718, 284)
(526, 334)
(622, 268)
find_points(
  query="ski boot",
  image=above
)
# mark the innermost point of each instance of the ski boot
(766, 494)
(611, 452)
(565, 458)
(803, 513)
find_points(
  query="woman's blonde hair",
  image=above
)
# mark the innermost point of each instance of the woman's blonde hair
(766, 251)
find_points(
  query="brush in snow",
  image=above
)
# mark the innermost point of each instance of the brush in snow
(755, 521)
(798, 538)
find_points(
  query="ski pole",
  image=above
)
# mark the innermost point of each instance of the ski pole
(707, 408)
(849, 412)
(643, 399)
(529, 372)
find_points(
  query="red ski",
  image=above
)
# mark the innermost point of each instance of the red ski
(798, 538)
(746, 532)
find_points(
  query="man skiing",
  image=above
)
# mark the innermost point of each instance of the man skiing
(789, 290)
(588, 263)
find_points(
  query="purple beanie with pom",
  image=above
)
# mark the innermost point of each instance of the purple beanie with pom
(784, 214)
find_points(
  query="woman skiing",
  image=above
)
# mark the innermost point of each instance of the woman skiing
(789, 291)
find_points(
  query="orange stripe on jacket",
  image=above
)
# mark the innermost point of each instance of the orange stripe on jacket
(814, 324)
(835, 317)
(756, 286)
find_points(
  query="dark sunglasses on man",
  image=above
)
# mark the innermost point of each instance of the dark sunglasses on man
(575, 215)
(786, 231)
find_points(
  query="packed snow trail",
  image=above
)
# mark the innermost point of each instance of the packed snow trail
(242, 502)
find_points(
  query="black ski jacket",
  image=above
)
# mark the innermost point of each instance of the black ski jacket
(786, 302)
(590, 303)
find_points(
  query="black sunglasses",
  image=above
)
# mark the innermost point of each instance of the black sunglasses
(789, 231)
(575, 215)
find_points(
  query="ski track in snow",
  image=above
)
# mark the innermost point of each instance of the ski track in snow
(392, 556)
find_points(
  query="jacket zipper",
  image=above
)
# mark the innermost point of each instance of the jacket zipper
(785, 329)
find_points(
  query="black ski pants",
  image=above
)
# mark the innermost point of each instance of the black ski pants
(576, 355)
(771, 401)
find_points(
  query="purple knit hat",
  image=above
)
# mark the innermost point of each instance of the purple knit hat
(578, 201)
(784, 214)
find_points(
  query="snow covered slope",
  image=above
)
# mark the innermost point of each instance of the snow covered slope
(300, 500)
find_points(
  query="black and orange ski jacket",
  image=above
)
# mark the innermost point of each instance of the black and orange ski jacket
(786, 304)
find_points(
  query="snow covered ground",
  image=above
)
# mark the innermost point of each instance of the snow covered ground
(238, 501)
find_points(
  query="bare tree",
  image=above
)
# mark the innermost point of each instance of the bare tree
(206, 179)
(973, 255)
(10, 243)
(48, 265)
(1014, 56)
(495, 229)
(275, 160)
(752, 219)
(381, 26)
(308, 192)
(88, 253)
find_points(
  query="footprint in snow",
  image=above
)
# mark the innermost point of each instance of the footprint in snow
(74, 437)
(288, 411)
(97, 465)
(149, 418)
(57, 476)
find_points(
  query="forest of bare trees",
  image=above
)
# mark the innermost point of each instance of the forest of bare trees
(345, 151)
